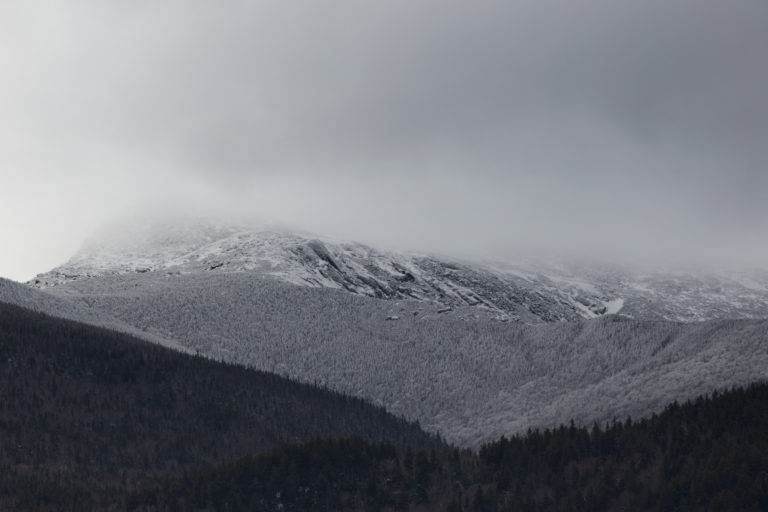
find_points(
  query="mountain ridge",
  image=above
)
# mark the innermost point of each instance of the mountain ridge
(530, 293)
(86, 409)
(459, 373)
(470, 351)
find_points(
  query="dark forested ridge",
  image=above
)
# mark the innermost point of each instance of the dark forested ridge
(94, 419)
(710, 454)
(87, 412)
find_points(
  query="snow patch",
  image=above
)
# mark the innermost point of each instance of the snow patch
(613, 306)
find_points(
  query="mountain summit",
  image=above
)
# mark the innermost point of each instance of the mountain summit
(530, 293)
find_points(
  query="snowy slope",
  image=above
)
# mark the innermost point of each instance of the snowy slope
(74, 308)
(469, 377)
(529, 293)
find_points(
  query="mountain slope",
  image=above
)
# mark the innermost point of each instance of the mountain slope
(84, 409)
(467, 376)
(421, 335)
(531, 293)
(40, 301)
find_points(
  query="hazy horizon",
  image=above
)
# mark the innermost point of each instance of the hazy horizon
(604, 131)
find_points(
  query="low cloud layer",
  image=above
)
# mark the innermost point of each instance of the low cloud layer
(605, 129)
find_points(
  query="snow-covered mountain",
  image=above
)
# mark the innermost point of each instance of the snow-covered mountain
(530, 293)
(466, 376)
(420, 334)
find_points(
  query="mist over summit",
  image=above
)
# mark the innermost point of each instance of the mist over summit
(527, 291)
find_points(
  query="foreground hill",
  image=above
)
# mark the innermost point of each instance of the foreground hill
(85, 412)
(707, 455)
(530, 292)
(460, 373)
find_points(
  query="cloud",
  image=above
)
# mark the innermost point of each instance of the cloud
(483, 128)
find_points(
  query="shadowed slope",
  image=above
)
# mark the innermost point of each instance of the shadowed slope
(90, 408)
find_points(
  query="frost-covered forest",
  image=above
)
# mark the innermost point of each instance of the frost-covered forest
(458, 372)
(24, 296)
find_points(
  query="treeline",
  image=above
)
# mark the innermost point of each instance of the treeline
(708, 455)
(87, 413)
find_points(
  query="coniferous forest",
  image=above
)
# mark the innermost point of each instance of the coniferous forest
(710, 454)
(86, 413)
(95, 420)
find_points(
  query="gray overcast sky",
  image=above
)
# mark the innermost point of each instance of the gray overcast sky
(604, 128)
